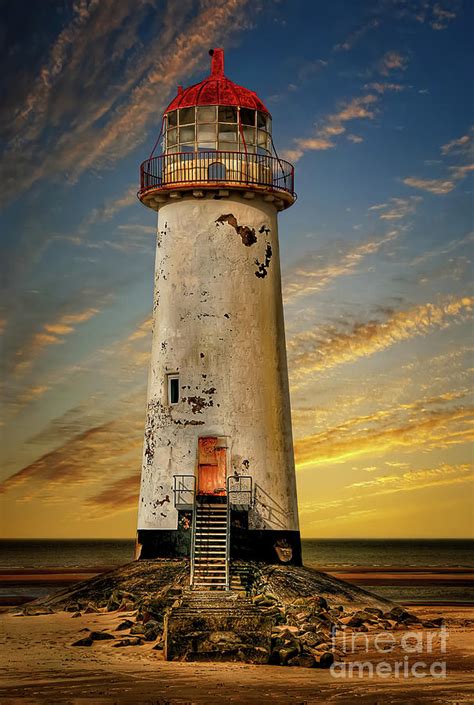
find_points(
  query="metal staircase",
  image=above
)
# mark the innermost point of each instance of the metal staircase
(210, 547)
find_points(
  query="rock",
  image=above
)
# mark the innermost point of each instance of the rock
(90, 609)
(400, 615)
(303, 660)
(86, 641)
(152, 630)
(323, 660)
(224, 638)
(374, 610)
(138, 629)
(309, 639)
(76, 614)
(126, 624)
(128, 642)
(434, 623)
(285, 653)
(159, 646)
(100, 636)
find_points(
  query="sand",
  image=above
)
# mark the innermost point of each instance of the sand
(39, 665)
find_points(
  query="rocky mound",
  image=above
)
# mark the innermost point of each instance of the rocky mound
(302, 608)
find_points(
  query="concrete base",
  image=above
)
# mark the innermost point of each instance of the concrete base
(266, 546)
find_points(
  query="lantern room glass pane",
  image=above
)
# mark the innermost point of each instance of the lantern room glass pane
(206, 113)
(262, 138)
(249, 135)
(247, 116)
(186, 116)
(186, 134)
(227, 146)
(261, 119)
(227, 133)
(207, 146)
(227, 114)
(206, 133)
(171, 137)
(172, 118)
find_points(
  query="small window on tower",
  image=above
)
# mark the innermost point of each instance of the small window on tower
(247, 117)
(173, 389)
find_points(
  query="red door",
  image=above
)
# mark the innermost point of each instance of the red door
(211, 468)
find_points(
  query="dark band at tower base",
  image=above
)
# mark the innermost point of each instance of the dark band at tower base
(265, 545)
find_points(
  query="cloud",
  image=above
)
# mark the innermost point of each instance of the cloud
(441, 16)
(313, 351)
(53, 333)
(392, 61)
(93, 456)
(355, 138)
(359, 108)
(110, 208)
(384, 87)
(317, 270)
(120, 495)
(413, 480)
(397, 208)
(461, 145)
(435, 429)
(115, 115)
(354, 37)
(437, 186)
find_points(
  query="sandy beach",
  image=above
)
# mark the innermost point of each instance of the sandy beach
(40, 665)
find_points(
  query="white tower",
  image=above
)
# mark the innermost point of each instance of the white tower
(218, 444)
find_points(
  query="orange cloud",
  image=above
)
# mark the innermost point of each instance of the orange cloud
(362, 107)
(314, 350)
(119, 496)
(435, 429)
(52, 334)
(313, 272)
(419, 479)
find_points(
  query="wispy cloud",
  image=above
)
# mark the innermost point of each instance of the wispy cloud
(418, 479)
(392, 61)
(434, 429)
(102, 451)
(115, 116)
(397, 208)
(53, 333)
(359, 108)
(385, 87)
(459, 147)
(120, 495)
(462, 145)
(312, 351)
(317, 270)
(442, 14)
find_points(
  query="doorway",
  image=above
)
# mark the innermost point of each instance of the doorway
(212, 467)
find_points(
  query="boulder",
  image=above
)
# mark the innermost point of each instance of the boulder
(303, 660)
(323, 659)
(128, 642)
(100, 636)
(126, 624)
(86, 641)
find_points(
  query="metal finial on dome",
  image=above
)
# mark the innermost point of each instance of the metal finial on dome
(217, 62)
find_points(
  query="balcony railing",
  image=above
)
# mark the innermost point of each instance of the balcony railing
(214, 168)
(184, 490)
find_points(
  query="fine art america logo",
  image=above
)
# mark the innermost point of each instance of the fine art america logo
(414, 654)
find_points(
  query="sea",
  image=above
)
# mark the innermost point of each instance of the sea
(332, 554)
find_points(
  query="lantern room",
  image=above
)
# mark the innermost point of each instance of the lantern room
(214, 134)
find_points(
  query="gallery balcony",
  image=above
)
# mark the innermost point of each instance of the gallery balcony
(173, 174)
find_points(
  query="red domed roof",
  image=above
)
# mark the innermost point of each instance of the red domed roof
(216, 89)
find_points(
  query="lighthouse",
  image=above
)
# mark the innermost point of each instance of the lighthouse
(218, 475)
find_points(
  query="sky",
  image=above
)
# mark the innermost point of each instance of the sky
(371, 102)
